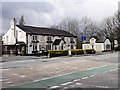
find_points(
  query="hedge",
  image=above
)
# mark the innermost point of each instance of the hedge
(54, 53)
(77, 51)
(89, 51)
(58, 52)
(117, 48)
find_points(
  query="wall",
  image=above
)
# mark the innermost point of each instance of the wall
(42, 41)
(21, 35)
(107, 41)
(99, 47)
(11, 39)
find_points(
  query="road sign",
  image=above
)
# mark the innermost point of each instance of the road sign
(83, 38)
(115, 42)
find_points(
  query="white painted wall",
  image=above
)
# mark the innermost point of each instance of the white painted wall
(102, 45)
(21, 35)
(86, 46)
(43, 42)
(9, 38)
(107, 41)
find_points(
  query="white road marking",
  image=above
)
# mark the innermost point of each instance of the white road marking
(78, 84)
(105, 72)
(83, 60)
(110, 70)
(102, 87)
(22, 76)
(66, 83)
(98, 58)
(92, 75)
(115, 69)
(99, 86)
(75, 67)
(76, 80)
(9, 82)
(54, 87)
(4, 70)
(84, 78)
(31, 68)
(36, 80)
(5, 79)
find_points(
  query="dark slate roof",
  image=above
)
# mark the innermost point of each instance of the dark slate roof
(101, 39)
(57, 42)
(44, 31)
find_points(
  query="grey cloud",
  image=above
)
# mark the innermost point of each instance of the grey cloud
(48, 13)
(9, 9)
(30, 10)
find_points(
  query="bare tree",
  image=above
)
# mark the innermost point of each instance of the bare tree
(108, 28)
(116, 22)
(70, 25)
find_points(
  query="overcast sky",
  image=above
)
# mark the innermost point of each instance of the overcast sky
(47, 13)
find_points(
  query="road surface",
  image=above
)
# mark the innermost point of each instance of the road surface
(92, 71)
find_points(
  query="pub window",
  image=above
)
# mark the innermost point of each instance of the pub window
(71, 46)
(48, 47)
(62, 38)
(48, 38)
(34, 37)
(34, 47)
(71, 39)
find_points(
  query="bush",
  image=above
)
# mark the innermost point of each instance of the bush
(58, 53)
(90, 51)
(77, 51)
(54, 53)
(117, 48)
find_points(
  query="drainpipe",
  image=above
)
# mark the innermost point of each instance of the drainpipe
(15, 36)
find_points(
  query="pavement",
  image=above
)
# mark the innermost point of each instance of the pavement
(61, 72)
(8, 58)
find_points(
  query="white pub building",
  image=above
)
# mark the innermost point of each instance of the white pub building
(21, 39)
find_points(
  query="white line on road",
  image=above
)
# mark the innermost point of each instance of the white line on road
(115, 69)
(84, 78)
(66, 83)
(36, 80)
(83, 60)
(92, 75)
(78, 84)
(22, 76)
(76, 80)
(9, 82)
(105, 72)
(4, 69)
(54, 87)
(110, 70)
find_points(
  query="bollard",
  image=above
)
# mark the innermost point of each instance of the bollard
(69, 52)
